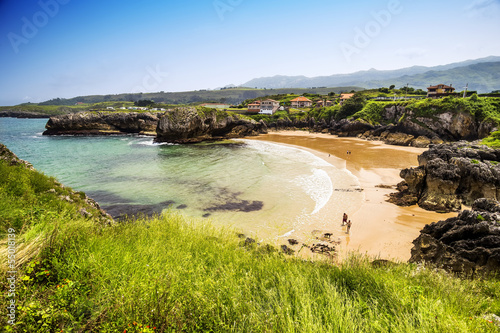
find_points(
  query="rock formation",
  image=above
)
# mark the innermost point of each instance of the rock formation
(188, 124)
(21, 114)
(469, 243)
(400, 126)
(103, 123)
(449, 175)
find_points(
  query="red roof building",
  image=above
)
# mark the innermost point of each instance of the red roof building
(301, 102)
(440, 90)
(254, 107)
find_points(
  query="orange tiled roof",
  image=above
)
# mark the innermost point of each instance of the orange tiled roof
(301, 99)
(443, 86)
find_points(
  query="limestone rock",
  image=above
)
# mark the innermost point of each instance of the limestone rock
(469, 243)
(452, 174)
(102, 123)
(186, 125)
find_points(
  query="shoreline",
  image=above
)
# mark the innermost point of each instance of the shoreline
(379, 229)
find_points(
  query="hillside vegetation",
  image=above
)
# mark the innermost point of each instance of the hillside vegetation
(77, 272)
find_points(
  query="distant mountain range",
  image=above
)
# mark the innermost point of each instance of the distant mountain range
(482, 75)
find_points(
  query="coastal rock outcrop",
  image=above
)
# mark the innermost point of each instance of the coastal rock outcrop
(21, 114)
(189, 124)
(103, 123)
(450, 175)
(468, 243)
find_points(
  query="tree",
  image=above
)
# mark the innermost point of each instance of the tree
(144, 102)
(351, 106)
(392, 87)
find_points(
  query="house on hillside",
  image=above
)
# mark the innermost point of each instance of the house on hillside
(439, 91)
(345, 97)
(254, 107)
(301, 102)
(269, 106)
(323, 103)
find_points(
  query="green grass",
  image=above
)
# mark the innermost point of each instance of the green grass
(180, 274)
(493, 140)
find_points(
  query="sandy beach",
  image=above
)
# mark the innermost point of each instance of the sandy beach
(379, 229)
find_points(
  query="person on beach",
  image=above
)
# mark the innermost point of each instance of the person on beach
(344, 219)
(348, 226)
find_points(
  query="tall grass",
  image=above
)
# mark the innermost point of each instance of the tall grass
(174, 274)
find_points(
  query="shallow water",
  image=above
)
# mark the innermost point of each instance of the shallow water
(261, 188)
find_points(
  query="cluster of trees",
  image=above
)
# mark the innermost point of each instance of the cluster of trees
(402, 90)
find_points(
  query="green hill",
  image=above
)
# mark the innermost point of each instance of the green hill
(224, 95)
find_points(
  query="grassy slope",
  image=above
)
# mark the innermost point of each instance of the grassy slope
(483, 109)
(176, 274)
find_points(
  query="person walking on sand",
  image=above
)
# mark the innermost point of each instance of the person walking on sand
(348, 226)
(344, 219)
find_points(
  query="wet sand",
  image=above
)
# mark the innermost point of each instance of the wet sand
(379, 229)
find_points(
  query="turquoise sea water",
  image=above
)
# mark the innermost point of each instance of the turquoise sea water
(258, 187)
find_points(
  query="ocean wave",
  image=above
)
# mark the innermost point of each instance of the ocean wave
(318, 186)
(281, 150)
(150, 142)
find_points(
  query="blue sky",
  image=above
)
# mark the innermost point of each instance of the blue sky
(68, 48)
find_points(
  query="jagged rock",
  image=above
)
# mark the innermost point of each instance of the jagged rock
(399, 139)
(347, 127)
(451, 174)
(102, 123)
(323, 249)
(287, 250)
(468, 243)
(421, 142)
(12, 159)
(187, 125)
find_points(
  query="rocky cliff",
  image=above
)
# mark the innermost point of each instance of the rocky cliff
(189, 124)
(450, 175)
(469, 243)
(103, 123)
(401, 126)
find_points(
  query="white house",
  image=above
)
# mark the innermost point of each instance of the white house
(269, 106)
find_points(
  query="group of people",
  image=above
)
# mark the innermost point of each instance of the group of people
(347, 222)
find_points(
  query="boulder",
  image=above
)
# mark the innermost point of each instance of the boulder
(451, 174)
(189, 124)
(468, 243)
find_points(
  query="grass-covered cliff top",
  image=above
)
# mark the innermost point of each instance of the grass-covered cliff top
(482, 108)
(77, 273)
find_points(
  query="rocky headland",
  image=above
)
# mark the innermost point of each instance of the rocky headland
(401, 126)
(468, 243)
(181, 125)
(21, 114)
(394, 125)
(450, 175)
(103, 123)
(190, 125)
